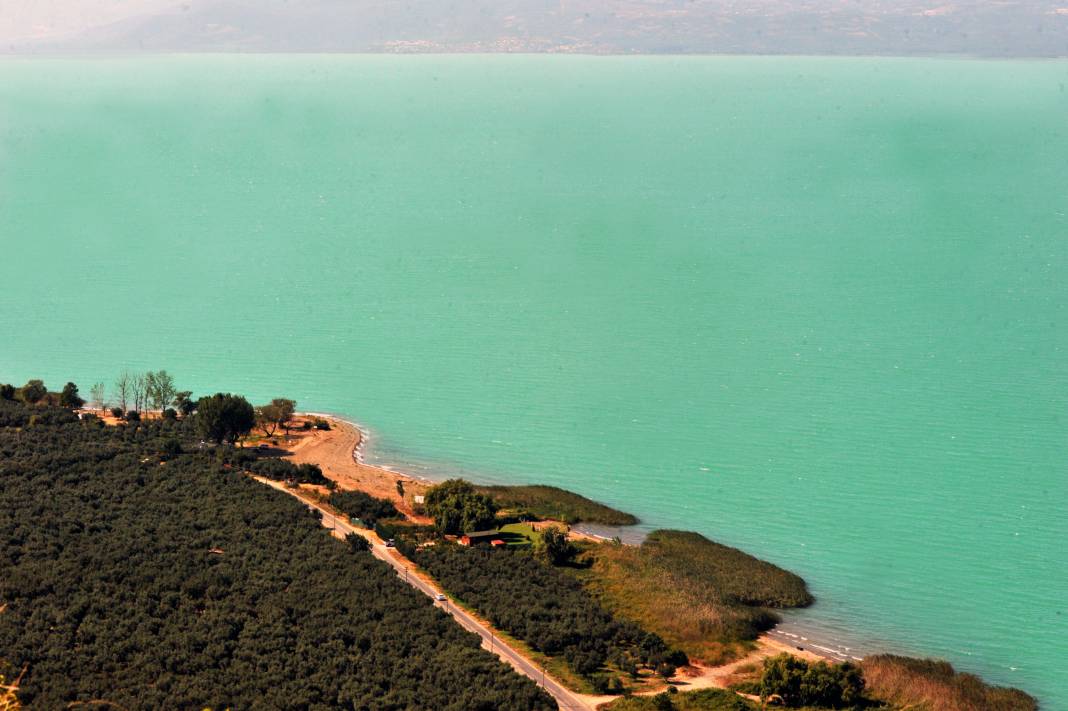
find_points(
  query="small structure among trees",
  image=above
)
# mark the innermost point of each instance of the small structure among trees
(473, 538)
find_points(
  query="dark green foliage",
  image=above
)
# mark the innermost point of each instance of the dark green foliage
(703, 700)
(554, 548)
(224, 418)
(321, 424)
(457, 508)
(185, 403)
(798, 683)
(171, 447)
(170, 414)
(117, 412)
(14, 414)
(133, 416)
(7, 391)
(188, 586)
(550, 502)
(69, 397)
(546, 608)
(357, 542)
(363, 506)
(285, 470)
(33, 392)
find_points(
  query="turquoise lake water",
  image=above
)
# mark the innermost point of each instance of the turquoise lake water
(814, 308)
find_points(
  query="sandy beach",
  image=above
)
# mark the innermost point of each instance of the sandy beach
(336, 451)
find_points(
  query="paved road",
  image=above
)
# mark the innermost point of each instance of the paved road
(568, 700)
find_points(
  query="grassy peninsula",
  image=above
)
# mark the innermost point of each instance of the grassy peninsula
(550, 502)
(708, 599)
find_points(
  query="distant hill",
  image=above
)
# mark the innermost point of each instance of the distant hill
(1005, 28)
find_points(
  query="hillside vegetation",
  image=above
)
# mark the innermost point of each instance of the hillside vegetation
(703, 700)
(705, 598)
(140, 572)
(550, 502)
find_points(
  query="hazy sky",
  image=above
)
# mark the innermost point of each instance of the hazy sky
(25, 19)
(976, 27)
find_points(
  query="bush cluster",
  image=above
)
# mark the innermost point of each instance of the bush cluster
(795, 682)
(142, 585)
(285, 470)
(363, 506)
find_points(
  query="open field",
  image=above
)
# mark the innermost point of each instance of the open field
(710, 600)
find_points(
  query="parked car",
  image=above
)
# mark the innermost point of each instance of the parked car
(440, 597)
(390, 543)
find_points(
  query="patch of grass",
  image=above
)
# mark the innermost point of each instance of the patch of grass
(707, 599)
(550, 502)
(519, 534)
(936, 686)
(702, 700)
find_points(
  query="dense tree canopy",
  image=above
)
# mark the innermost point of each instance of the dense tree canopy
(138, 584)
(546, 608)
(798, 683)
(457, 508)
(363, 506)
(554, 547)
(33, 391)
(224, 417)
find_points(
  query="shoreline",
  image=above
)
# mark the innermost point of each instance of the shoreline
(797, 641)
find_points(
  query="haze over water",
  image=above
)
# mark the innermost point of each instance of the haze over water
(814, 308)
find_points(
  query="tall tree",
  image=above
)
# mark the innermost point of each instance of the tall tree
(70, 397)
(285, 408)
(124, 389)
(160, 389)
(185, 403)
(140, 391)
(98, 396)
(267, 418)
(224, 417)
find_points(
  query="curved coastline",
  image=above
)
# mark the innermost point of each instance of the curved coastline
(795, 637)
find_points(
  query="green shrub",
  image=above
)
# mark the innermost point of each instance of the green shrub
(363, 506)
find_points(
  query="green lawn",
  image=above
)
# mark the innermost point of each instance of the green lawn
(519, 534)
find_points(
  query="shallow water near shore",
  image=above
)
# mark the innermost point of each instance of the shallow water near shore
(812, 308)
